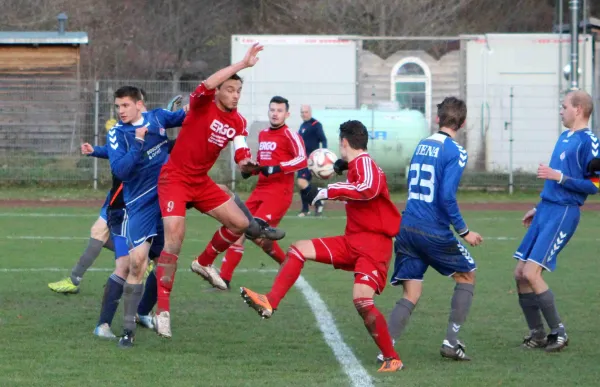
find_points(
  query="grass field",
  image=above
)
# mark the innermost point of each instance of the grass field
(47, 340)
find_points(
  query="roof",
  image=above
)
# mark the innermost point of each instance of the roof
(42, 37)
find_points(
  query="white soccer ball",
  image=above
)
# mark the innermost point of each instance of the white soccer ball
(320, 163)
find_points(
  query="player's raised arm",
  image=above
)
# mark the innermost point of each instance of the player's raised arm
(365, 187)
(451, 180)
(224, 74)
(123, 160)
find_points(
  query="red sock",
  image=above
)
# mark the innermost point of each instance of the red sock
(166, 266)
(287, 276)
(232, 258)
(276, 252)
(222, 239)
(376, 325)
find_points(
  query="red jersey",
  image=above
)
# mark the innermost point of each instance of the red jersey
(284, 148)
(206, 131)
(369, 207)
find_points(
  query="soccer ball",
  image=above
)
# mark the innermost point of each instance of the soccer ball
(320, 163)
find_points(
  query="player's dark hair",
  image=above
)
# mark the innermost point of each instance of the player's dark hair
(235, 77)
(129, 91)
(355, 133)
(278, 99)
(452, 113)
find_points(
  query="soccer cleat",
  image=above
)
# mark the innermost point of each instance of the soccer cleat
(535, 340)
(162, 322)
(104, 331)
(210, 274)
(456, 352)
(557, 342)
(258, 302)
(272, 233)
(65, 286)
(147, 321)
(303, 214)
(391, 365)
(126, 341)
(175, 103)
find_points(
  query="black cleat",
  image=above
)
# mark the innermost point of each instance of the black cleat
(535, 340)
(557, 342)
(265, 232)
(456, 352)
(126, 341)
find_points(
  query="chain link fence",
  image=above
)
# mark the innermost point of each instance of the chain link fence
(509, 128)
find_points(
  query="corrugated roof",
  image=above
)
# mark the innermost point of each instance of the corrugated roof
(42, 37)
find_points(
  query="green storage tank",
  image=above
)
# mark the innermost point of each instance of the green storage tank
(394, 135)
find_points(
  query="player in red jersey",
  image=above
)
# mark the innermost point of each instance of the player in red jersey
(365, 248)
(211, 123)
(281, 152)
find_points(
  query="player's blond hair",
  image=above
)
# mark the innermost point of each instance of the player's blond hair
(581, 99)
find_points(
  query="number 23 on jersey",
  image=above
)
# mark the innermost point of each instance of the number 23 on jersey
(421, 185)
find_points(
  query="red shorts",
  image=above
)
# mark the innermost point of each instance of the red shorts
(265, 206)
(175, 191)
(367, 255)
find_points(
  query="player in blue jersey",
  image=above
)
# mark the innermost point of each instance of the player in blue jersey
(138, 148)
(100, 233)
(552, 223)
(314, 138)
(425, 238)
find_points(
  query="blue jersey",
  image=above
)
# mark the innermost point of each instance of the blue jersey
(312, 134)
(572, 153)
(435, 172)
(138, 163)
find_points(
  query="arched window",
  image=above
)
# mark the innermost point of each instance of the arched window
(411, 86)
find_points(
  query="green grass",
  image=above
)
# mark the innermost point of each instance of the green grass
(35, 193)
(46, 338)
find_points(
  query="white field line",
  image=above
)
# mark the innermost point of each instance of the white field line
(352, 367)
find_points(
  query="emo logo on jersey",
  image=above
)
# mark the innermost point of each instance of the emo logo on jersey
(267, 146)
(224, 130)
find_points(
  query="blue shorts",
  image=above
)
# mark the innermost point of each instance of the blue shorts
(104, 208)
(304, 174)
(143, 222)
(551, 229)
(116, 225)
(417, 247)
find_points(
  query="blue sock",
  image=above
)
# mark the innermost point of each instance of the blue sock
(112, 295)
(150, 295)
(304, 196)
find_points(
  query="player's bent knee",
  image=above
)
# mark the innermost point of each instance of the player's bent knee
(304, 247)
(468, 278)
(412, 290)
(122, 266)
(100, 230)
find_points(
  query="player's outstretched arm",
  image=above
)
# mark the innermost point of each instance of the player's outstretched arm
(298, 161)
(169, 119)
(97, 151)
(366, 187)
(222, 75)
(123, 161)
(571, 183)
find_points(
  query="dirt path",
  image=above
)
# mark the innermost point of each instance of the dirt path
(492, 206)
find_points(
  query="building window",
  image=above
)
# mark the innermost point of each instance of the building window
(411, 86)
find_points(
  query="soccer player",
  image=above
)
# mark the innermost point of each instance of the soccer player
(365, 248)
(425, 238)
(100, 233)
(552, 223)
(312, 133)
(212, 122)
(138, 148)
(280, 154)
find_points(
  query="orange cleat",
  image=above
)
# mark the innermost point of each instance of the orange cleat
(258, 302)
(391, 365)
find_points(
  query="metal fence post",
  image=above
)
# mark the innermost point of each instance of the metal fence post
(96, 122)
(510, 144)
